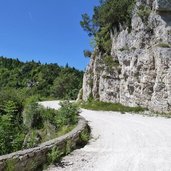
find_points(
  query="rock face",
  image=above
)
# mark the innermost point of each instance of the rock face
(142, 76)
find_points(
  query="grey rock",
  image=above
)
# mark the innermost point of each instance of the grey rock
(143, 77)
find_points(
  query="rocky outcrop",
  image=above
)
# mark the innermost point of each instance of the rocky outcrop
(142, 76)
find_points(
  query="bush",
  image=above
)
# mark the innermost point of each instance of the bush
(32, 116)
(67, 114)
(45, 124)
(110, 63)
(85, 136)
(66, 85)
(11, 135)
(87, 53)
(55, 155)
(144, 12)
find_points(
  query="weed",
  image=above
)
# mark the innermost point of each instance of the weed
(55, 155)
(68, 147)
(144, 12)
(10, 165)
(85, 136)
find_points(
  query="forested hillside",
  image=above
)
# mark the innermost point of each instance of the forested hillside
(45, 80)
(23, 123)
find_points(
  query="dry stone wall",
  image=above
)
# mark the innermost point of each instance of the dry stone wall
(30, 159)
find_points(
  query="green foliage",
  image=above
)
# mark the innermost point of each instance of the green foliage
(164, 45)
(12, 131)
(22, 85)
(85, 136)
(67, 85)
(11, 97)
(11, 135)
(67, 114)
(103, 39)
(88, 25)
(144, 12)
(55, 155)
(23, 123)
(32, 139)
(104, 106)
(10, 165)
(32, 78)
(109, 14)
(68, 147)
(32, 116)
(110, 63)
(45, 124)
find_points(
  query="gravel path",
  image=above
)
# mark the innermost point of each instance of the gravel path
(121, 142)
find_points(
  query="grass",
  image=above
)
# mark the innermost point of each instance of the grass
(65, 129)
(104, 106)
(144, 12)
(55, 155)
(164, 45)
(84, 137)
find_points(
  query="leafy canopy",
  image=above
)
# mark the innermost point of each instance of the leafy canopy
(109, 14)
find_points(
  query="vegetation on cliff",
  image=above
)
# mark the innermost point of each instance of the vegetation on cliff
(108, 15)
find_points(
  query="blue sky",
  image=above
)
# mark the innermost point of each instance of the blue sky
(45, 30)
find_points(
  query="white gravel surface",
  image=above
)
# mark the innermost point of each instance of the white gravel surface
(121, 142)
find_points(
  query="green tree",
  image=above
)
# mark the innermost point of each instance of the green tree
(67, 84)
(109, 14)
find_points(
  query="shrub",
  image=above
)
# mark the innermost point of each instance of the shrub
(55, 155)
(87, 53)
(11, 135)
(32, 139)
(68, 147)
(10, 165)
(67, 114)
(32, 116)
(109, 62)
(85, 136)
(144, 12)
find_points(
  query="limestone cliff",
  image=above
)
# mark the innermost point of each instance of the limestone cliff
(139, 73)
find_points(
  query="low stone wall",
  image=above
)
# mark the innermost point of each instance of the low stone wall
(30, 159)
